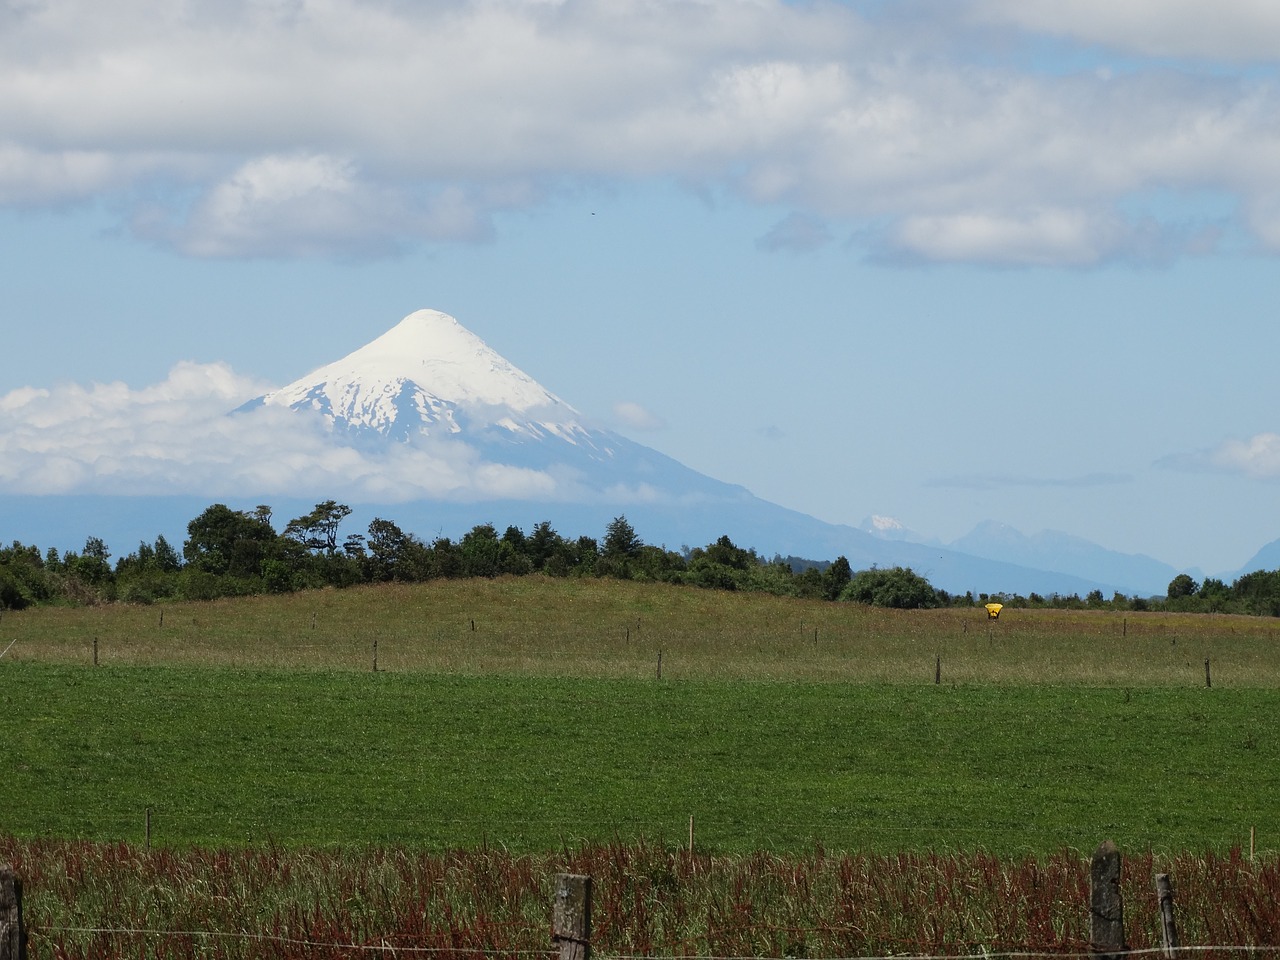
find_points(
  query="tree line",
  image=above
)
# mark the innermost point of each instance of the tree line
(240, 552)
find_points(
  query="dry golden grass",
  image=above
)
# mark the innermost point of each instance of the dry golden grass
(538, 626)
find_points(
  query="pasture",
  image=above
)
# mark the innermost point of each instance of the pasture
(530, 714)
(537, 626)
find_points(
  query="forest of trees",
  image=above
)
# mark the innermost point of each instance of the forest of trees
(235, 552)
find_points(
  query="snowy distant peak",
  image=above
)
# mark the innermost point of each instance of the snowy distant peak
(426, 374)
(885, 526)
(889, 528)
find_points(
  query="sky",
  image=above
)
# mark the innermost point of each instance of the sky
(943, 261)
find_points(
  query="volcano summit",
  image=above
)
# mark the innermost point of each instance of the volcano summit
(429, 381)
(428, 375)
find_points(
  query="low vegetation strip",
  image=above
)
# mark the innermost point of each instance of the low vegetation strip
(94, 900)
(236, 757)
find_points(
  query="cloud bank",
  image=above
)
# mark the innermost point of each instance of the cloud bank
(931, 132)
(176, 437)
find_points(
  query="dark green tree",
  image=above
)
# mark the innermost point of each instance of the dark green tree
(898, 587)
(836, 577)
(445, 559)
(222, 541)
(585, 552)
(392, 554)
(543, 545)
(620, 540)
(11, 595)
(480, 552)
(728, 554)
(1259, 592)
(31, 578)
(148, 574)
(1182, 586)
(1214, 594)
(318, 530)
(91, 566)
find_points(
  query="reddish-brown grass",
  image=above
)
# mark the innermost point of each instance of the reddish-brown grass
(90, 900)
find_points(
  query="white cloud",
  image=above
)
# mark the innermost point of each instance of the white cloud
(356, 127)
(1041, 237)
(1225, 29)
(1257, 457)
(175, 437)
(308, 204)
(637, 417)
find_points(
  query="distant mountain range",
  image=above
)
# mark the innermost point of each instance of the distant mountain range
(430, 383)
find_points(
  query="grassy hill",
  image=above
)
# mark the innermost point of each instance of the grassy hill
(536, 626)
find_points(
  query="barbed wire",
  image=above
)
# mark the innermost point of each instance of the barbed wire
(282, 940)
(186, 815)
(982, 954)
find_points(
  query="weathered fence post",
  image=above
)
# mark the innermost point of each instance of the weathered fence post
(1106, 908)
(937, 670)
(13, 935)
(1168, 924)
(1208, 680)
(571, 916)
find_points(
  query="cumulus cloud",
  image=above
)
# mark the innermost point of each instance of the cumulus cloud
(357, 127)
(308, 204)
(176, 437)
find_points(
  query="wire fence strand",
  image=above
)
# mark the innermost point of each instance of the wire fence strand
(1076, 954)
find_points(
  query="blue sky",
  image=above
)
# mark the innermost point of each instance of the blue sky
(938, 261)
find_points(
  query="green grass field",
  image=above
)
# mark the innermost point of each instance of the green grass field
(776, 724)
(843, 802)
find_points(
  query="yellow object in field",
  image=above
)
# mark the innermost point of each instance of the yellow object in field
(993, 610)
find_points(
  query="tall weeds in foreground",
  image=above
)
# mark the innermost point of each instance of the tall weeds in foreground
(94, 900)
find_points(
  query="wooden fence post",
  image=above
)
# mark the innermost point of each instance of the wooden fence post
(1106, 908)
(571, 917)
(13, 935)
(1168, 924)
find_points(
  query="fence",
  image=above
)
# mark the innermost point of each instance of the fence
(13, 934)
(571, 926)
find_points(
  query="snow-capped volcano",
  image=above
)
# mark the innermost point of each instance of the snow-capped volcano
(430, 383)
(429, 375)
